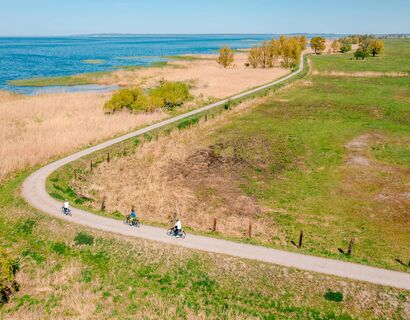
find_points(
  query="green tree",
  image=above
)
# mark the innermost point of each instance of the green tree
(335, 46)
(376, 47)
(318, 44)
(226, 56)
(361, 53)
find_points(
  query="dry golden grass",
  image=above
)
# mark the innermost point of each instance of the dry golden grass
(35, 129)
(209, 78)
(173, 176)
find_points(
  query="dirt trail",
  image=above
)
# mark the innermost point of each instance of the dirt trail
(34, 191)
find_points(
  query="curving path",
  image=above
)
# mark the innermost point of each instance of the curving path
(34, 191)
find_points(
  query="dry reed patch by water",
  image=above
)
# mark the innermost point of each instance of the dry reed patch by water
(209, 78)
(36, 129)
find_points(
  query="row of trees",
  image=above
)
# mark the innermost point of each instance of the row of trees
(288, 49)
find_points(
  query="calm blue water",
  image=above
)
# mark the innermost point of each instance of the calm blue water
(22, 58)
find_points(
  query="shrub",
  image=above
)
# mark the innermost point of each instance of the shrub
(83, 238)
(189, 122)
(361, 54)
(26, 227)
(334, 296)
(8, 269)
(170, 94)
(167, 95)
(122, 99)
(61, 248)
(226, 56)
(345, 47)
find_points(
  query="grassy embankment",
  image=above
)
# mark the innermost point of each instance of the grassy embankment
(328, 156)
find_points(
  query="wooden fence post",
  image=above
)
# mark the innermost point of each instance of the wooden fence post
(349, 250)
(91, 166)
(214, 226)
(250, 230)
(108, 157)
(206, 117)
(103, 203)
(124, 152)
(300, 239)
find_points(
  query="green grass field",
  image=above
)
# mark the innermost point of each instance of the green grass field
(399, 49)
(296, 147)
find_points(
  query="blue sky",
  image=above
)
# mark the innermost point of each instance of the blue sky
(67, 17)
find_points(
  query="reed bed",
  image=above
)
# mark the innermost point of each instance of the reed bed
(36, 129)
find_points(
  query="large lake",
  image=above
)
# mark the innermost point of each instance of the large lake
(22, 58)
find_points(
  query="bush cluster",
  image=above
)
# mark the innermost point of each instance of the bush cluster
(288, 49)
(335, 296)
(83, 238)
(8, 269)
(168, 95)
(368, 45)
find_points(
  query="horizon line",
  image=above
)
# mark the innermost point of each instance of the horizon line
(191, 34)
